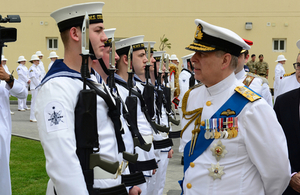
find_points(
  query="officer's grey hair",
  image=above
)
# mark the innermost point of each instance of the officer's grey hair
(234, 59)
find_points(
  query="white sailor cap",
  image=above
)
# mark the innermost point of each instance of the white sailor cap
(210, 38)
(186, 58)
(72, 16)
(157, 55)
(123, 46)
(167, 55)
(110, 33)
(152, 43)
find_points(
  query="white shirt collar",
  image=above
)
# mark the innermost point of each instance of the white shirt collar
(240, 74)
(223, 85)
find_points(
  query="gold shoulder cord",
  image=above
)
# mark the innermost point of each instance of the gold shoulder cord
(196, 114)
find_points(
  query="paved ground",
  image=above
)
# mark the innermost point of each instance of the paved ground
(22, 127)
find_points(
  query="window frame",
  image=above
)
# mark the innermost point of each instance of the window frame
(52, 40)
(279, 44)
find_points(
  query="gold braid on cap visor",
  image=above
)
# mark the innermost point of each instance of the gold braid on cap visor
(200, 47)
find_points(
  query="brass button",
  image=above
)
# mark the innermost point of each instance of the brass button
(192, 164)
(189, 186)
(208, 103)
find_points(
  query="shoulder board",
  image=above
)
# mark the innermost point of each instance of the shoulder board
(18, 68)
(31, 70)
(247, 93)
(257, 76)
(248, 80)
(289, 74)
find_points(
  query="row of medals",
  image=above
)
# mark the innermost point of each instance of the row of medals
(223, 133)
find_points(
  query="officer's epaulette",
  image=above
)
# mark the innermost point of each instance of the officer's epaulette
(247, 93)
(257, 76)
(18, 68)
(289, 74)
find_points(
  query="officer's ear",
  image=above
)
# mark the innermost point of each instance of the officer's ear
(226, 59)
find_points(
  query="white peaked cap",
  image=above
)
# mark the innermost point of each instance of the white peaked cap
(208, 38)
(53, 55)
(21, 58)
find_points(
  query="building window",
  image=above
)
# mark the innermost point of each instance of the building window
(279, 45)
(52, 43)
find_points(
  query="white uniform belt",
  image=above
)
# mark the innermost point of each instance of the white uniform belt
(102, 174)
(148, 138)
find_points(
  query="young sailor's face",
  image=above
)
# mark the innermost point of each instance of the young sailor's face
(97, 38)
(106, 54)
(152, 60)
(139, 60)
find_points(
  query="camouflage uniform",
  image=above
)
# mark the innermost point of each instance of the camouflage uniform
(261, 68)
(251, 64)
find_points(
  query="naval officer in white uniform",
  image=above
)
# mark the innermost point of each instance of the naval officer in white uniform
(233, 128)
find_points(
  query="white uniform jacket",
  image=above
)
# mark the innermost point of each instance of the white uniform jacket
(23, 74)
(288, 83)
(34, 75)
(143, 126)
(257, 85)
(279, 72)
(57, 132)
(21, 92)
(41, 69)
(257, 159)
(6, 69)
(184, 84)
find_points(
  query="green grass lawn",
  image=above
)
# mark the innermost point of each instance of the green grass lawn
(27, 167)
(14, 98)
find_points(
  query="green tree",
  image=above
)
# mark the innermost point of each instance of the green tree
(164, 43)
